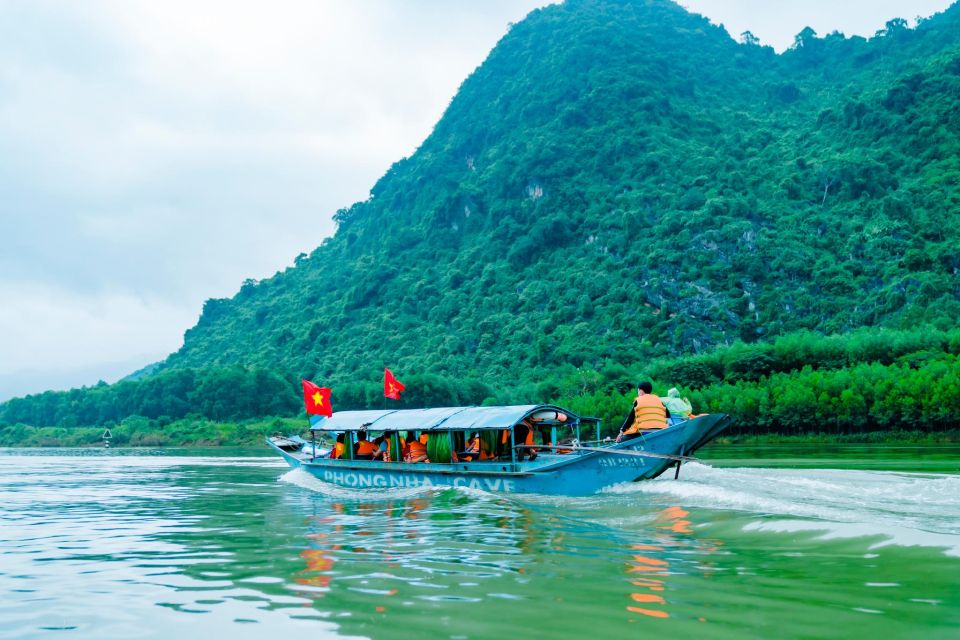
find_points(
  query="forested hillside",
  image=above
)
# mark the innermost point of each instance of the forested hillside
(621, 181)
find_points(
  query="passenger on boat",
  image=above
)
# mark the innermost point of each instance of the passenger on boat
(364, 449)
(383, 447)
(471, 450)
(380, 442)
(337, 451)
(646, 414)
(384, 450)
(679, 408)
(417, 451)
(411, 437)
(523, 432)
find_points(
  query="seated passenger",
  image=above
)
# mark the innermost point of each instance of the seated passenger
(380, 442)
(471, 450)
(523, 432)
(384, 452)
(338, 448)
(680, 408)
(417, 451)
(646, 414)
(364, 449)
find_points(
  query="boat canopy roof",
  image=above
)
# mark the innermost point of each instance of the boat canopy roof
(441, 419)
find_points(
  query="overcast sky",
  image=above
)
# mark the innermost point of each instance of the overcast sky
(156, 153)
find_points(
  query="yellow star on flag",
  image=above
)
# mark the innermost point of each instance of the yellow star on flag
(317, 399)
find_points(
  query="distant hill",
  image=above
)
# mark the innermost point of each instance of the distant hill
(143, 372)
(620, 181)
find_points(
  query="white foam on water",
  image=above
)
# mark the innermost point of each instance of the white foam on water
(906, 509)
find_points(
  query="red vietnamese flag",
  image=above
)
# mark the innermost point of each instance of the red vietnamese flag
(392, 388)
(317, 399)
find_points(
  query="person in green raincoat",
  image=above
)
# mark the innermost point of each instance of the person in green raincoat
(680, 408)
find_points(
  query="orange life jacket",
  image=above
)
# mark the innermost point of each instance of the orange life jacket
(424, 438)
(417, 453)
(365, 447)
(473, 446)
(337, 451)
(648, 414)
(505, 438)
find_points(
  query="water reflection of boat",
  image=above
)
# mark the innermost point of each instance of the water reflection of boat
(651, 564)
(429, 548)
(564, 463)
(442, 550)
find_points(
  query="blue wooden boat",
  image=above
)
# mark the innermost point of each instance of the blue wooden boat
(564, 464)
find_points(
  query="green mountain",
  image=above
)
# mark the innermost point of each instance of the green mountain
(620, 181)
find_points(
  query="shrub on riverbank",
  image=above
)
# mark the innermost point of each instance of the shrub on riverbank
(920, 392)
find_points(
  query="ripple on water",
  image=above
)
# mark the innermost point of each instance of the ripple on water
(908, 509)
(197, 548)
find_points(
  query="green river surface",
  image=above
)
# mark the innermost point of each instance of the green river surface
(779, 541)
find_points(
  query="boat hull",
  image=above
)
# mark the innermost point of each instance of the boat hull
(576, 474)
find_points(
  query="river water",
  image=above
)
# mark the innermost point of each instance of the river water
(778, 542)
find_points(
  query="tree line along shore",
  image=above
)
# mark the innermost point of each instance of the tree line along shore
(866, 386)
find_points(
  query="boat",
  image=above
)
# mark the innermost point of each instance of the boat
(563, 463)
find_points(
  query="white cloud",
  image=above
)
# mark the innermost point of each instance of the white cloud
(154, 154)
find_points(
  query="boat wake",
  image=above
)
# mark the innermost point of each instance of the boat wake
(908, 509)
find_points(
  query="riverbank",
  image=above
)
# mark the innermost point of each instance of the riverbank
(951, 436)
(141, 432)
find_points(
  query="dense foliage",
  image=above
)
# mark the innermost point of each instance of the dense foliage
(621, 180)
(868, 380)
(622, 189)
(221, 394)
